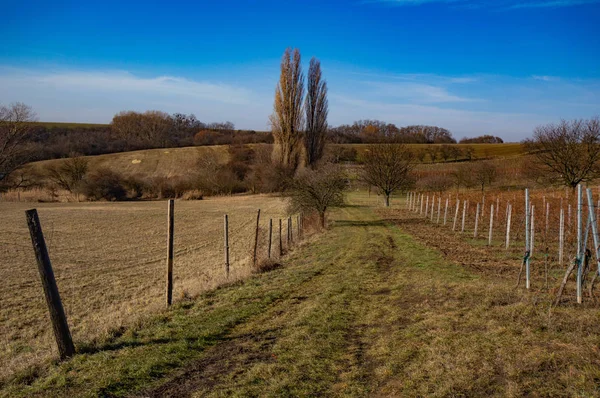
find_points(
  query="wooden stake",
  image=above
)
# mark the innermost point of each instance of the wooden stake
(426, 205)
(456, 215)
(270, 237)
(439, 208)
(256, 237)
(58, 318)
(280, 240)
(170, 251)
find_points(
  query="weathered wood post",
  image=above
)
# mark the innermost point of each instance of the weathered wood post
(58, 318)
(270, 237)
(170, 234)
(226, 243)
(280, 240)
(491, 225)
(256, 237)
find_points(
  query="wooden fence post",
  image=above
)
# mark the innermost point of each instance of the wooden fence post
(170, 233)
(226, 236)
(270, 236)
(55, 307)
(280, 240)
(256, 237)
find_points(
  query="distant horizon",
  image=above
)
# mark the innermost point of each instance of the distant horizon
(473, 67)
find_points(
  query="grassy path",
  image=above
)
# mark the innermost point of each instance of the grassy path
(364, 310)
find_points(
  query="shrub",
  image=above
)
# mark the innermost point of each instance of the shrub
(105, 184)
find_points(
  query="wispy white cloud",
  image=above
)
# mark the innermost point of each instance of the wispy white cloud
(413, 92)
(546, 78)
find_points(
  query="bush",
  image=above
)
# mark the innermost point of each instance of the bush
(105, 184)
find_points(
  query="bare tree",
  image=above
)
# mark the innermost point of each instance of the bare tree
(316, 114)
(14, 126)
(485, 174)
(318, 190)
(287, 120)
(568, 151)
(69, 174)
(387, 167)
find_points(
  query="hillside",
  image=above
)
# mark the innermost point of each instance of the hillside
(175, 161)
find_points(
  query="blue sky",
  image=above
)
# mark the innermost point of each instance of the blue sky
(499, 67)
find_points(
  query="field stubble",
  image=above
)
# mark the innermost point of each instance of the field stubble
(109, 262)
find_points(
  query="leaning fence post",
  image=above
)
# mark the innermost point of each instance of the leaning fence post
(171, 225)
(270, 236)
(55, 307)
(226, 236)
(256, 237)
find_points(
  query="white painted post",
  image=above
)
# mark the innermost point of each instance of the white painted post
(509, 214)
(421, 211)
(547, 221)
(463, 216)
(432, 205)
(426, 205)
(491, 225)
(439, 208)
(594, 227)
(446, 211)
(580, 254)
(561, 236)
(527, 241)
(476, 221)
(456, 215)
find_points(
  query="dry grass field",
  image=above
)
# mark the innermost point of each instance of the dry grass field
(109, 261)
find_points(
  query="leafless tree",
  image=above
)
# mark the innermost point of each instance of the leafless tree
(150, 128)
(14, 125)
(484, 174)
(387, 167)
(69, 174)
(318, 190)
(316, 114)
(287, 120)
(568, 151)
